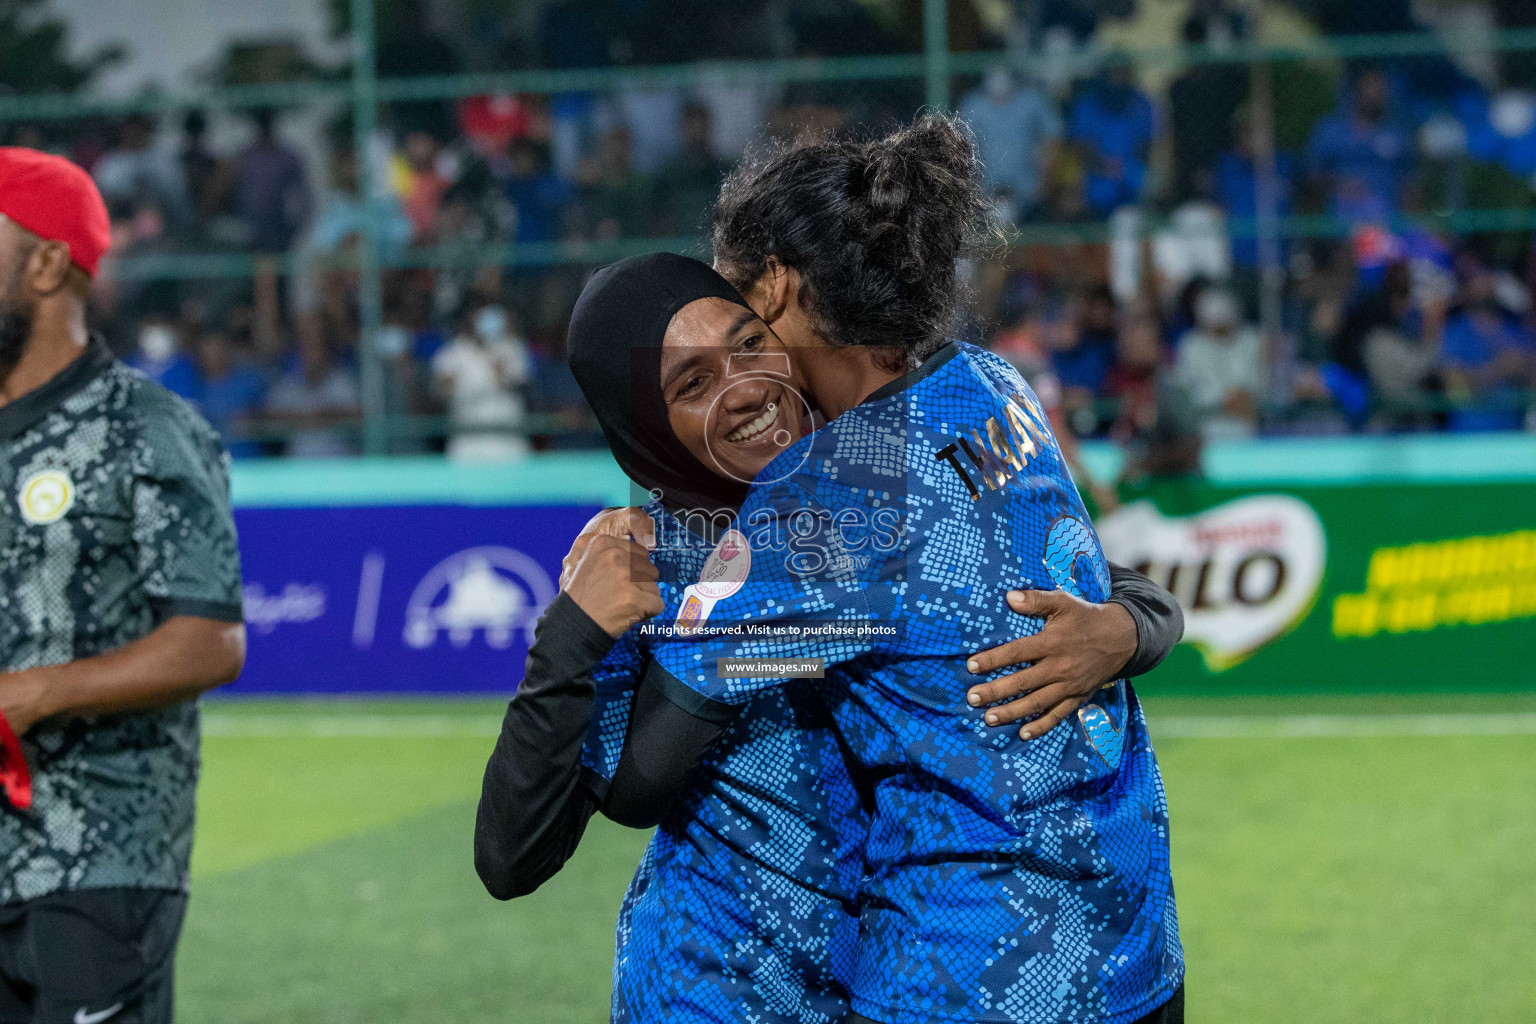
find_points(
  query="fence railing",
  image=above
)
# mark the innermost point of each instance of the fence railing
(358, 89)
(910, 66)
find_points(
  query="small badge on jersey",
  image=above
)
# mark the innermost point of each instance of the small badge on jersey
(1107, 740)
(724, 573)
(691, 612)
(46, 496)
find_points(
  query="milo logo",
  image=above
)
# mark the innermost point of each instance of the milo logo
(1245, 572)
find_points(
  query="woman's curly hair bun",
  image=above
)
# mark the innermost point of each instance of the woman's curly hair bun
(874, 227)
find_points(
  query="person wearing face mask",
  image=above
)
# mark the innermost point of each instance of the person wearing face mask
(158, 357)
(480, 375)
(122, 574)
(696, 396)
(1221, 365)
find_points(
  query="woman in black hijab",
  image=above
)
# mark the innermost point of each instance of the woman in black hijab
(695, 396)
(674, 363)
(653, 342)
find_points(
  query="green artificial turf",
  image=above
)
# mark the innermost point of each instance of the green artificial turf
(1320, 879)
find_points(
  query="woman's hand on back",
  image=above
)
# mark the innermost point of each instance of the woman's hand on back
(610, 576)
(1081, 648)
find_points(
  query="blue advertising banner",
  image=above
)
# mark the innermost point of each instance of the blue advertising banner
(397, 599)
(413, 575)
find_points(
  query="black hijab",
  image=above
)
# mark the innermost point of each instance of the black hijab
(614, 347)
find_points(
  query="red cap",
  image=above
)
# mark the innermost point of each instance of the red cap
(55, 199)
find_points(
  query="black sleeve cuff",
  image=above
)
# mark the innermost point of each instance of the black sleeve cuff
(671, 729)
(1158, 617)
(594, 783)
(687, 698)
(222, 611)
(570, 635)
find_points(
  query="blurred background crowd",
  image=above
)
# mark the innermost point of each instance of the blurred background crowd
(1193, 245)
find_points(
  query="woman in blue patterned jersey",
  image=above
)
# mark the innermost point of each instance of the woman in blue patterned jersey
(777, 941)
(1005, 880)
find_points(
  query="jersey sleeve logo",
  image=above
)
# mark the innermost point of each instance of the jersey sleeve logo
(46, 497)
(723, 575)
(1107, 740)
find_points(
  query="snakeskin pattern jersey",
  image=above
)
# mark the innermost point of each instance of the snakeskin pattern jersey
(116, 518)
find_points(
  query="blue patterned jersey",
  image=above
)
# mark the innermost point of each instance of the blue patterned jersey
(745, 905)
(1007, 880)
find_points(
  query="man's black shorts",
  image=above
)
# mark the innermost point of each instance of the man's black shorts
(97, 956)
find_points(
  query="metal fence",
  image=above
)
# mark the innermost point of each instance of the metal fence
(931, 74)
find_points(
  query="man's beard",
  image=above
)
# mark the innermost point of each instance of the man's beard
(15, 329)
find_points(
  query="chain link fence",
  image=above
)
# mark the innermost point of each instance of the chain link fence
(1262, 229)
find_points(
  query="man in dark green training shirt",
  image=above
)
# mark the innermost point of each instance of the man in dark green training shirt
(119, 604)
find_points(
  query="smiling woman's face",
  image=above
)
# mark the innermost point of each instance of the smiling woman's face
(731, 394)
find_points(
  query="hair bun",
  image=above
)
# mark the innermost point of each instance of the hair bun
(875, 229)
(935, 146)
(923, 187)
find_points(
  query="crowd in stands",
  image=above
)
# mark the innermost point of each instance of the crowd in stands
(1384, 317)
(1184, 266)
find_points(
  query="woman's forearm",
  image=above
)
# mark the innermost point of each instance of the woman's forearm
(533, 806)
(670, 731)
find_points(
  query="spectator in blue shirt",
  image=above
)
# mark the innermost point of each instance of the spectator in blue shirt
(271, 188)
(338, 224)
(342, 214)
(1083, 352)
(554, 395)
(1237, 190)
(1015, 129)
(233, 393)
(1486, 360)
(540, 198)
(1114, 122)
(1361, 155)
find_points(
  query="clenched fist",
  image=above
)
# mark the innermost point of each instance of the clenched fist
(610, 522)
(612, 578)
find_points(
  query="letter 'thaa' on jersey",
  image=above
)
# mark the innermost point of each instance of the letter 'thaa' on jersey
(1007, 880)
(118, 518)
(744, 906)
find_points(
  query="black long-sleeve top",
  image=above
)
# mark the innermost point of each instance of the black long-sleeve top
(535, 802)
(537, 798)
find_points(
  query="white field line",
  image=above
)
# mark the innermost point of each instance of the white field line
(335, 726)
(1202, 727)
(1233, 727)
